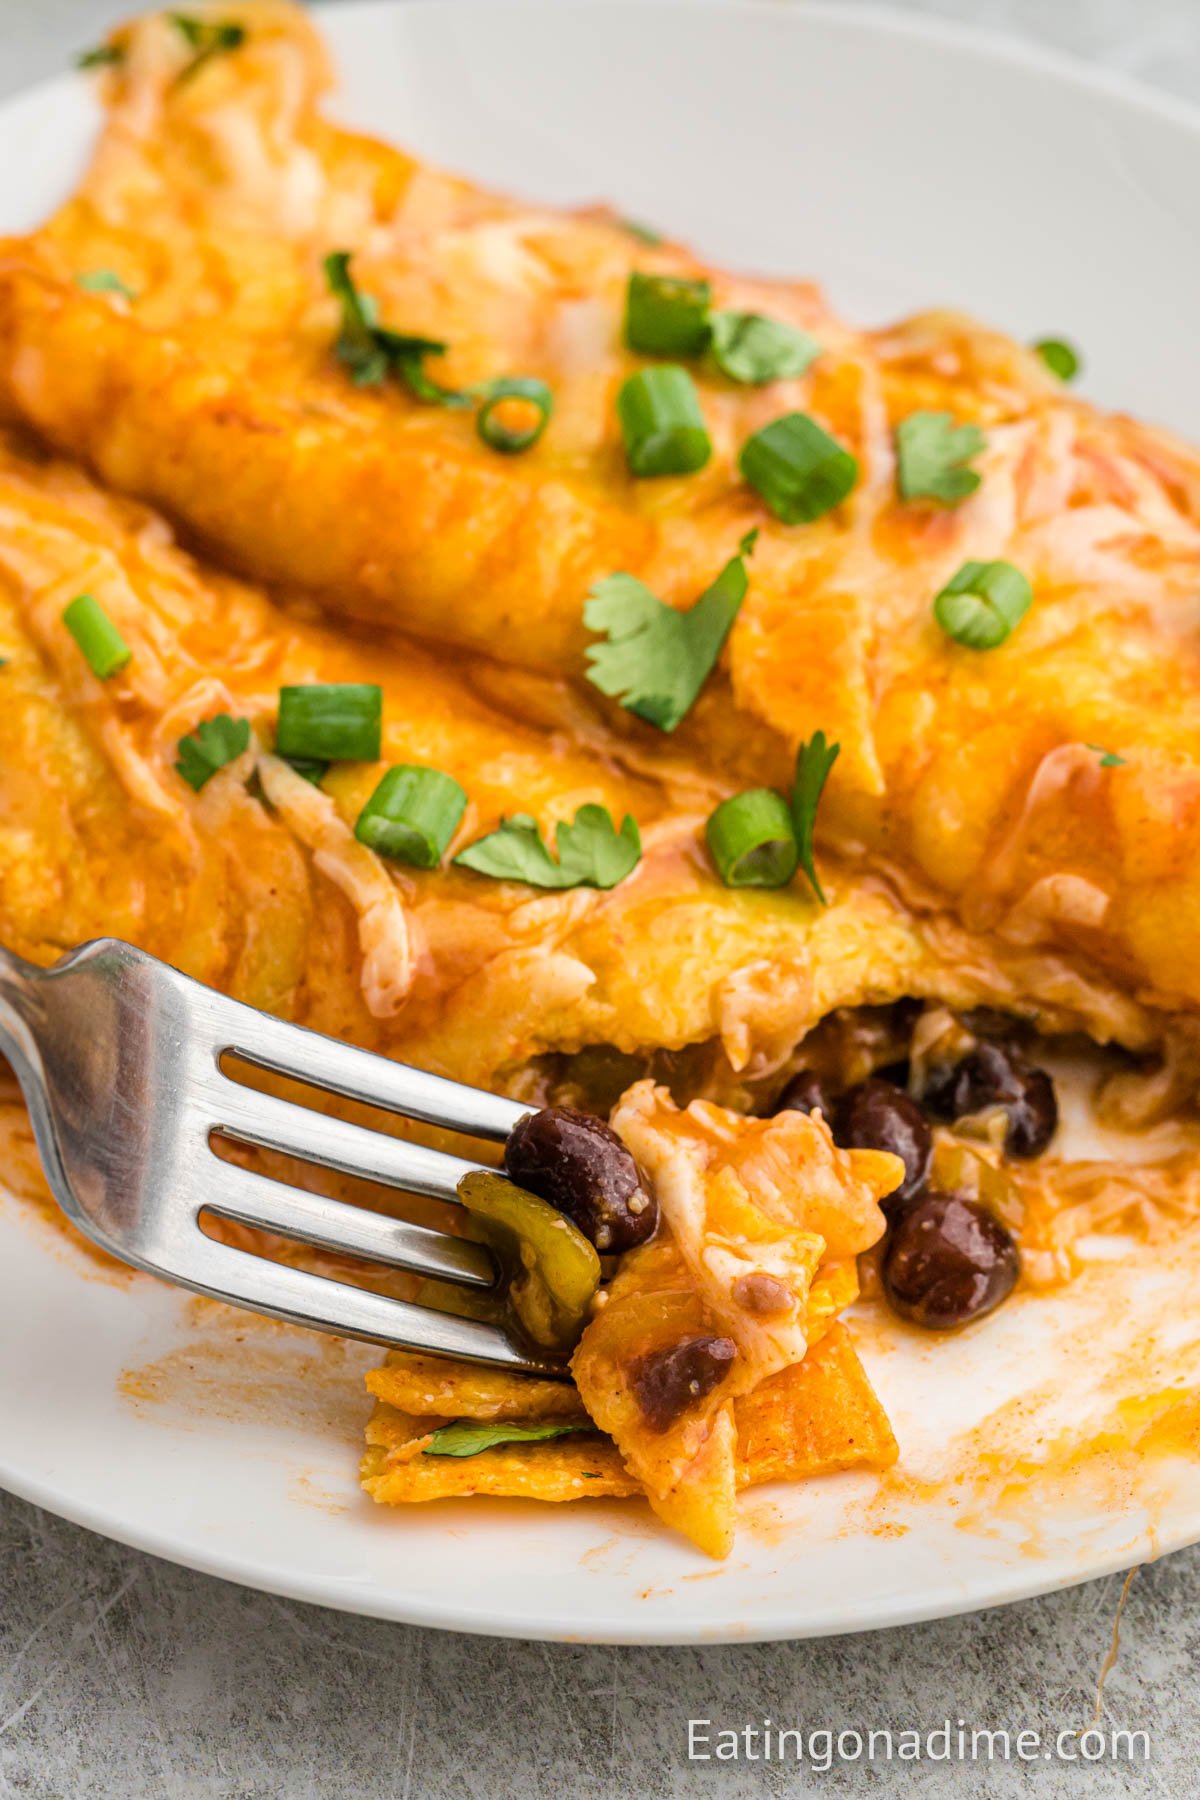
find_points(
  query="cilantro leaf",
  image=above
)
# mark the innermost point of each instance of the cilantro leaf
(372, 353)
(1108, 758)
(1061, 358)
(656, 659)
(750, 348)
(104, 56)
(591, 852)
(932, 453)
(814, 760)
(214, 743)
(357, 345)
(467, 1437)
(104, 281)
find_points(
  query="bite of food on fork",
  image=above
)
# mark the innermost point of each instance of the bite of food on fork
(126, 1065)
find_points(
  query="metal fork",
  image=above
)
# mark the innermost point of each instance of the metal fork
(119, 1059)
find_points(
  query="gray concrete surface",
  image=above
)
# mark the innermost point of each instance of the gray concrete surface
(123, 1678)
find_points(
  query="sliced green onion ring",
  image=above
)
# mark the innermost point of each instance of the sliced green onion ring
(528, 391)
(983, 604)
(661, 422)
(751, 348)
(104, 649)
(799, 470)
(412, 815)
(752, 840)
(666, 315)
(330, 722)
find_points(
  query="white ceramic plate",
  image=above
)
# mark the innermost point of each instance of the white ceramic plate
(905, 165)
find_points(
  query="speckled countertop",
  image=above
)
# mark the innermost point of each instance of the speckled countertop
(123, 1678)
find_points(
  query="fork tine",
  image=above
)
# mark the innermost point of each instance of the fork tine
(256, 1118)
(357, 1074)
(253, 1199)
(323, 1304)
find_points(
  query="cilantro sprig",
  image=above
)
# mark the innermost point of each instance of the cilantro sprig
(214, 743)
(656, 659)
(1108, 758)
(372, 353)
(104, 281)
(591, 851)
(932, 454)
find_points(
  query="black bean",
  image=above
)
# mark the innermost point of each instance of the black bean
(806, 1093)
(948, 1261)
(998, 1075)
(666, 1382)
(877, 1115)
(579, 1164)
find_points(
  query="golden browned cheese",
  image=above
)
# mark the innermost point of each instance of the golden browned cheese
(978, 843)
(761, 1220)
(972, 779)
(257, 885)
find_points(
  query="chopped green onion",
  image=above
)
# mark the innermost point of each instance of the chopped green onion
(666, 315)
(982, 604)
(661, 422)
(752, 840)
(309, 768)
(208, 37)
(102, 57)
(1108, 758)
(800, 471)
(412, 815)
(104, 281)
(467, 1437)
(932, 454)
(645, 234)
(1061, 358)
(657, 658)
(335, 722)
(526, 391)
(591, 851)
(814, 760)
(104, 649)
(214, 743)
(750, 348)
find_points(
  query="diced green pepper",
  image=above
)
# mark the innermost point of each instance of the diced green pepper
(551, 1269)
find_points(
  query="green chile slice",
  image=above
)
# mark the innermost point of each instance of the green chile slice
(551, 1269)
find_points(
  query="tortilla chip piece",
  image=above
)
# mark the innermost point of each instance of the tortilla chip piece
(463, 1390)
(568, 1468)
(814, 1418)
(701, 1503)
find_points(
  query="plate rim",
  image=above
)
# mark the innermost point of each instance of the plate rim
(244, 1569)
